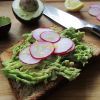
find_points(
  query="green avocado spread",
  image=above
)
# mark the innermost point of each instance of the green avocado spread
(52, 67)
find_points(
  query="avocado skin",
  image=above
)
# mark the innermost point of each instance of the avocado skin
(4, 30)
(28, 22)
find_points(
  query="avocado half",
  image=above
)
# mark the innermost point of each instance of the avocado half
(5, 25)
(27, 16)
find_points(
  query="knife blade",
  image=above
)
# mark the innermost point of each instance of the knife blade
(67, 20)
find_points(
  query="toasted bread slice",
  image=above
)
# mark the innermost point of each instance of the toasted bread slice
(25, 92)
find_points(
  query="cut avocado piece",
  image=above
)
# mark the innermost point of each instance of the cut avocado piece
(25, 12)
(5, 25)
(4, 21)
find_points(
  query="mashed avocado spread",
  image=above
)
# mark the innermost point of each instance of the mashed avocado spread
(52, 67)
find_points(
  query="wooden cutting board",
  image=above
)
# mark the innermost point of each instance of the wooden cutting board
(85, 87)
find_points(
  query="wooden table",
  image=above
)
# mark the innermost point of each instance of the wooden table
(85, 87)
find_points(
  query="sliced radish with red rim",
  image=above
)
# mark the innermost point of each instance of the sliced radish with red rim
(50, 36)
(41, 50)
(94, 11)
(36, 33)
(63, 45)
(71, 49)
(26, 58)
(95, 5)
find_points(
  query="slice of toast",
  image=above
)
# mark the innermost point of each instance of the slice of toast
(25, 92)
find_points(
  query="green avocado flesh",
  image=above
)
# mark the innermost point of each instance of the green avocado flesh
(25, 15)
(52, 67)
(4, 21)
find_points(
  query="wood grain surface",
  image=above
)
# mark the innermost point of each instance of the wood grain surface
(85, 87)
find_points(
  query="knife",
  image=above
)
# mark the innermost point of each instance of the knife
(67, 20)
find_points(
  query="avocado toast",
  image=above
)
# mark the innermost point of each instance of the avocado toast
(69, 66)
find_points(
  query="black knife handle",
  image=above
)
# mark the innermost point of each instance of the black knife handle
(95, 29)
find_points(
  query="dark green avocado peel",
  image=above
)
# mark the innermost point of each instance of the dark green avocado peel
(28, 12)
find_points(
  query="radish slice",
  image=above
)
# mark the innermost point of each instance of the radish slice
(94, 11)
(50, 36)
(63, 45)
(41, 50)
(71, 49)
(36, 33)
(98, 17)
(95, 5)
(25, 57)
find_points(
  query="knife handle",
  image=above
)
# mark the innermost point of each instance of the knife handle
(95, 29)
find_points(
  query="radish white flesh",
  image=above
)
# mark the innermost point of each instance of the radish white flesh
(50, 36)
(36, 33)
(94, 11)
(26, 57)
(41, 50)
(63, 45)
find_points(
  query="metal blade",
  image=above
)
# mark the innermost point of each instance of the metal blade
(65, 19)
